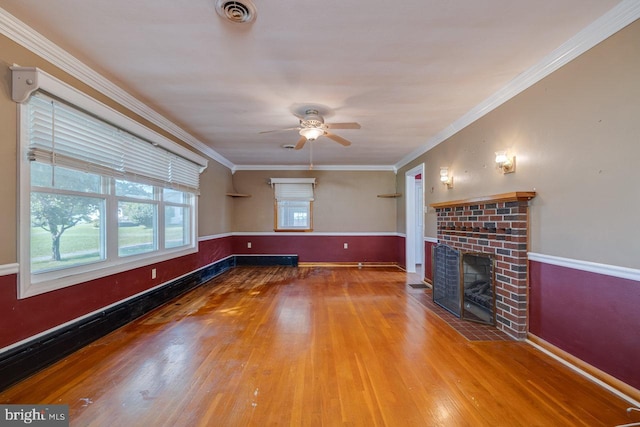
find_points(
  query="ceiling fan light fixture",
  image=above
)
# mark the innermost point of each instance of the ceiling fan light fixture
(312, 133)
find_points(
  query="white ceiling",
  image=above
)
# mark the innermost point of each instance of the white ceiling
(405, 70)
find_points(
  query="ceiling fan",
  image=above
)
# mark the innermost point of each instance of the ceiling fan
(312, 127)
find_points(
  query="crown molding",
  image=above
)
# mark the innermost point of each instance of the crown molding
(608, 24)
(30, 39)
(352, 168)
(26, 80)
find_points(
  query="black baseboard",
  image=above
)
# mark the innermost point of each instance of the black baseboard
(267, 260)
(28, 358)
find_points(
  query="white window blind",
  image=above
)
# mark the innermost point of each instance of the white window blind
(181, 170)
(294, 192)
(144, 161)
(293, 188)
(66, 137)
(61, 134)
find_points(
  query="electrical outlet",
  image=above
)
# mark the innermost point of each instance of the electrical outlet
(153, 273)
(346, 246)
(249, 245)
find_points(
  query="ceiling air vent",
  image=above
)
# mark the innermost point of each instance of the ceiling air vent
(239, 12)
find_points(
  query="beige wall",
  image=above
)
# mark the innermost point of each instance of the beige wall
(215, 210)
(8, 166)
(576, 135)
(344, 201)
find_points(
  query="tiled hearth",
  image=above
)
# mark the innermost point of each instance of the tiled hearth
(496, 225)
(472, 331)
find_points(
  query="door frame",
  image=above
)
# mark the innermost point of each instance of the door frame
(413, 233)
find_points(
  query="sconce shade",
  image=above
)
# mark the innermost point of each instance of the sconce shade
(505, 162)
(445, 178)
(444, 174)
(501, 157)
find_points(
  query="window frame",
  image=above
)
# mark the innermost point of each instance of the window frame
(153, 201)
(30, 284)
(276, 203)
(276, 227)
(183, 205)
(102, 194)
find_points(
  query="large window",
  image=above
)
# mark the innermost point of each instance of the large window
(293, 203)
(96, 199)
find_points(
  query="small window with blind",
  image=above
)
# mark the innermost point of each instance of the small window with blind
(293, 203)
(97, 199)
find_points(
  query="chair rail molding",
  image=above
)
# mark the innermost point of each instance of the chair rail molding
(592, 267)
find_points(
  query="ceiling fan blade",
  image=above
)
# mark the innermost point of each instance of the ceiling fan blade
(338, 139)
(351, 125)
(300, 143)
(279, 130)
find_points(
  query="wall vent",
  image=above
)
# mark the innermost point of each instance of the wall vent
(239, 12)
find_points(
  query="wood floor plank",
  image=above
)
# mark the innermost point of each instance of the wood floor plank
(312, 346)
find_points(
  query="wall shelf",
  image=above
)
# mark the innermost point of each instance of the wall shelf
(504, 197)
(238, 195)
(499, 234)
(390, 195)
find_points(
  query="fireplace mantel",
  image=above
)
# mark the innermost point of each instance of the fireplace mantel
(504, 197)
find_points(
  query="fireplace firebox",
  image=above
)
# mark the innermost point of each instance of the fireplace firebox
(478, 294)
(463, 283)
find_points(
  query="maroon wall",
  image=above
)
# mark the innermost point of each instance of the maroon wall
(22, 318)
(323, 248)
(592, 316)
(401, 251)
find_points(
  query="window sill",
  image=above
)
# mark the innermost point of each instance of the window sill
(60, 279)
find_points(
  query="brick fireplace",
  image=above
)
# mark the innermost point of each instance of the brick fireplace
(499, 226)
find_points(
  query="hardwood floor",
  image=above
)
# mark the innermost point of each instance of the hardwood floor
(312, 346)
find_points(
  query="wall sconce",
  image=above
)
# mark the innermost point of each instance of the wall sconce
(506, 163)
(445, 178)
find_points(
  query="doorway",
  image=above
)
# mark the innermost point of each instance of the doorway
(414, 211)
